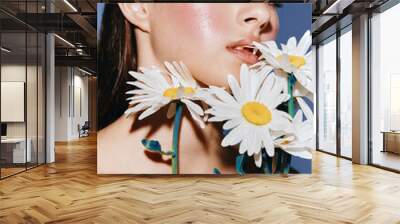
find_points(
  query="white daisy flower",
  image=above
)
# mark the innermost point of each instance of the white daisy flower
(301, 142)
(293, 58)
(153, 91)
(299, 92)
(251, 113)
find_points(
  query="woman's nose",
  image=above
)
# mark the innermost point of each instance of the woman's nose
(254, 16)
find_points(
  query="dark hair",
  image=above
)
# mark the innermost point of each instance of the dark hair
(116, 56)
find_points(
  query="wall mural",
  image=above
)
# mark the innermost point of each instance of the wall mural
(205, 88)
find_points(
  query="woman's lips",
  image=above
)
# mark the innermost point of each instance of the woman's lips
(244, 52)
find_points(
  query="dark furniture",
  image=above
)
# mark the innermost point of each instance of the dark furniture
(84, 130)
(3, 129)
(391, 141)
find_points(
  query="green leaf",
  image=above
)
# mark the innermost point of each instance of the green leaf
(154, 146)
(239, 164)
(216, 171)
(274, 162)
(286, 162)
(267, 165)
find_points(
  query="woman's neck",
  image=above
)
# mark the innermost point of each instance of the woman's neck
(194, 142)
(199, 149)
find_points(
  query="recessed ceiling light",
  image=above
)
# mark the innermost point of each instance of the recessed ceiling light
(5, 50)
(64, 40)
(84, 71)
(70, 5)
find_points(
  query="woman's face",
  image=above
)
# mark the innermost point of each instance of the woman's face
(211, 39)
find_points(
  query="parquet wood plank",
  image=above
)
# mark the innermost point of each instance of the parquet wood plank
(70, 191)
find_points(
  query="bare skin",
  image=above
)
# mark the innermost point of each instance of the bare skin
(119, 145)
(130, 157)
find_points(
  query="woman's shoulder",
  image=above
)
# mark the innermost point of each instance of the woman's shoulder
(119, 151)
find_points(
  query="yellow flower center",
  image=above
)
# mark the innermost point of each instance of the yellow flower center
(256, 113)
(177, 92)
(285, 142)
(297, 61)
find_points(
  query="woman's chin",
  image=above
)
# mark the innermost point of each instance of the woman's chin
(218, 76)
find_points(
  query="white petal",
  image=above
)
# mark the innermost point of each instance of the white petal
(171, 69)
(148, 112)
(269, 55)
(196, 117)
(152, 77)
(171, 110)
(232, 123)
(298, 118)
(251, 143)
(233, 137)
(258, 140)
(138, 107)
(304, 77)
(305, 108)
(225, 111)
(291, 43)
(181, 72)
(256, 79)
(218, 119)
(143, 86)
(235, 88)
(273, 48)
(141, 92)
(244, 81)
(304, 130)
(304, 44)
(299, 152)
(268, 143)
(141, 77)
(222, 94)
(244, 145)
(258, 159)
(148, 99)
(196, 108)
(140, 97)
(276, 100)
(187, 73)
(266, 70)
(265, 89)
(300, 90)
(280, 121)
(129, 111)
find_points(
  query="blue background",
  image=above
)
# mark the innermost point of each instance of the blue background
(294, 19)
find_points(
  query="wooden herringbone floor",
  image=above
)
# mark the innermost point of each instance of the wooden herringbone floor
(69, 191)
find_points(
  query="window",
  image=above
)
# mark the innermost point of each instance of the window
(385, 89)
(327, 96)
(346, 93)
(22, 77)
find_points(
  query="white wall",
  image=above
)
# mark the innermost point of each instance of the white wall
(70, 83)
(61, 103)
(385, 60)
(314, 77)
(360, 90)
(33, 126)
(16, 73)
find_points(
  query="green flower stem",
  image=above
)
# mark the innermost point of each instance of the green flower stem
(291, 82)
(175, 138)
(286, 157)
